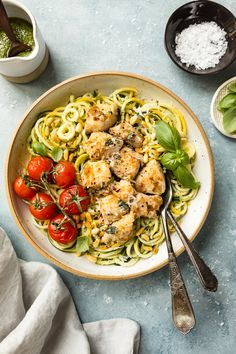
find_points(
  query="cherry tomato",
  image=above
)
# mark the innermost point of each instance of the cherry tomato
(39, 165)
(23, 187)
(64, 174)
(42, 206)
(74, 200)
(61, 229)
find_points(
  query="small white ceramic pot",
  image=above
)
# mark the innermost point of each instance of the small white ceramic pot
(216, 115)
(25, 69)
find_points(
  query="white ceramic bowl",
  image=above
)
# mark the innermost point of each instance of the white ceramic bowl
(216, 115)
(108, 82)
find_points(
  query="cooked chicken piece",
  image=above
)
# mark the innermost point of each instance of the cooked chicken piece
(95, 174)
(125, 164)
(101, 117)
(112, 208)
(101, 145)
(151, 179)
(146, 205)
(128, 133)
(120, 231)
(123, 190)
(103, 192)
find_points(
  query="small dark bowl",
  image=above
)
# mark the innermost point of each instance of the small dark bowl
(197, 12)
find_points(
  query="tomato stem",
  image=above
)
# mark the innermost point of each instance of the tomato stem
(31, 183)
(46, 186)
(59, 225)
(39, 204)
(75, 198)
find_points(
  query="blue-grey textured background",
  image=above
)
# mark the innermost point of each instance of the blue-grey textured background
(90, 35)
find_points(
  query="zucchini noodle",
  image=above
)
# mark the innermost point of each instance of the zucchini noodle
(63, 128)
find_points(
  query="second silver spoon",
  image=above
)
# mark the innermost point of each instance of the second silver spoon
(182, 311)
(207, 278)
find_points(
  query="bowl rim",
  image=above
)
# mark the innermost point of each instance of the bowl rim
(20, 224)
(199, 73)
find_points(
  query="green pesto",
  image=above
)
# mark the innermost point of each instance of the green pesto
(24, 33)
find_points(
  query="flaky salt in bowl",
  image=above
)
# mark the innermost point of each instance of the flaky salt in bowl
(200, 37)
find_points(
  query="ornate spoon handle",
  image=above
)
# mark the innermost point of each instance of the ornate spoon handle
(182, 311)
(207, 278)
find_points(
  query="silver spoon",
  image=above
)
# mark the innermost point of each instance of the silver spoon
(207, 278)
(182, 311)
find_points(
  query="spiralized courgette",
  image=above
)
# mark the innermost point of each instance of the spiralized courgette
(63, 128)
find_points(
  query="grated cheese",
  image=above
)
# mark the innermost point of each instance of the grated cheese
(201, 45)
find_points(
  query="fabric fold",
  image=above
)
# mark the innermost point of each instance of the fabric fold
(38, 314)
(121, 334)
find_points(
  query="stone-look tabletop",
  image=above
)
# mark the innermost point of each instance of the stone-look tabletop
(90, 35)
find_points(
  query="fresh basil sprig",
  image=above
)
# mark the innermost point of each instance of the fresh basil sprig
(227, 106)
(39, 148)
(56, 154)
(229, 120)
(82, 244)
(232, 87)
(175, 159)
(172, 160)
(185, 177)
(227, 102)
(167, 136)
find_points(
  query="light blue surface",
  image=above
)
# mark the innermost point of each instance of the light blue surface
(90, 35)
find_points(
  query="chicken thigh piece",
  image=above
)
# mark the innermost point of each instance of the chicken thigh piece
(101, 117)
(146, 205)
(95, 174)
(120, 231)
(125, 164)
(112, 208)
(101, 146)
(123, 190)
(151, 179)
(128, 133)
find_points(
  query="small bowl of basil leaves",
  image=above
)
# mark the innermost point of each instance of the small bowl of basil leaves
(223, 108)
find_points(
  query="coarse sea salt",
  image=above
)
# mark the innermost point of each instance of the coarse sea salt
(201, 45)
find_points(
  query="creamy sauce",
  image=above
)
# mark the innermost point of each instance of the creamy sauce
(23, 31)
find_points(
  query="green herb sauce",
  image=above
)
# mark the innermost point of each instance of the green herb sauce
(23, 31)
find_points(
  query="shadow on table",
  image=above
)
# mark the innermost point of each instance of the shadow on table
(211, 81)
(50, 77)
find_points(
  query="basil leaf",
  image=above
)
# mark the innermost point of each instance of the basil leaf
(171, 160)
(168, 137)
(182, 157)
(227, 102)
(56, 154)
(232, 87)
(168, 160)
(185, 177)
(39, 148)
(229, 120)
(176, 137)
(82, 244)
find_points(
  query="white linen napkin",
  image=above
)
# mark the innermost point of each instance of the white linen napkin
(37, 314)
